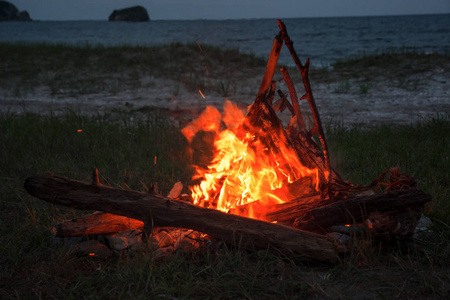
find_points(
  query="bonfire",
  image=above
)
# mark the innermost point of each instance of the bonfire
(268, 185)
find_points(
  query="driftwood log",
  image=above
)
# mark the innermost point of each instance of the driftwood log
(155, 211)
(392, 213)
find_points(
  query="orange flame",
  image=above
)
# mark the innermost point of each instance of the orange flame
(243, 171)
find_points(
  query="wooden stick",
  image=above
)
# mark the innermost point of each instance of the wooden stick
(161, 211)
(294, 98)
(252, 115)
(270, 68)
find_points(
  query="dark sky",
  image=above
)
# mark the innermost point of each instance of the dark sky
(228, 9)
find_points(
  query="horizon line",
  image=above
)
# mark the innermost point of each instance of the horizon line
(255, 18)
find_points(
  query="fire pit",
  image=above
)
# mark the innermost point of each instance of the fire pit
(268, 185)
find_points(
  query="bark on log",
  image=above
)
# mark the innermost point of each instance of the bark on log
(96, 223)
(156, 210)
(357, 209)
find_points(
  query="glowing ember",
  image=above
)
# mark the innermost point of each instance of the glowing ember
(243, 169)
(198, 44)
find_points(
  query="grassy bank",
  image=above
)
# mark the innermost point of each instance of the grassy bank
(64, 70)
(69, 70)
(410, 71)
(34, 265)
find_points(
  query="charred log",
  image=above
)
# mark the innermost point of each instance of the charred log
(357, 209)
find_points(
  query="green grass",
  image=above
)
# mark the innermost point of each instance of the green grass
(34, 265)
(420, 150)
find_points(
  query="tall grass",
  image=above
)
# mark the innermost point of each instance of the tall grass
(420, 150)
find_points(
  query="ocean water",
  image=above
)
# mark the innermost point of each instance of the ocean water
(323, 40)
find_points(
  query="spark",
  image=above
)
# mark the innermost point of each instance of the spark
(79, 130)
(198, 44)
(201, 94)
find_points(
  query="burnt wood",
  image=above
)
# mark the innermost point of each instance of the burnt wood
(96, 223)
(357, 209)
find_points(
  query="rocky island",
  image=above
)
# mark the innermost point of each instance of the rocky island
(8, 12)
(130, 14)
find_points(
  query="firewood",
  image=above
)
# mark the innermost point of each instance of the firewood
(304, 69)
(270, 68)
(358, 209)
(288, 212)
(252, 116)
(294, 98)
(155, 210)
(299, 196)
(96, 223)
(261, 116)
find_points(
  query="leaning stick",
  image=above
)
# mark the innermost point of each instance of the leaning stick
(294, 98)
(252, 116)
(270, 68)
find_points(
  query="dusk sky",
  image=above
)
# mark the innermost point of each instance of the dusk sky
(228, 9)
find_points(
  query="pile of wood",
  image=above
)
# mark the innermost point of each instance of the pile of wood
(311, 224)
